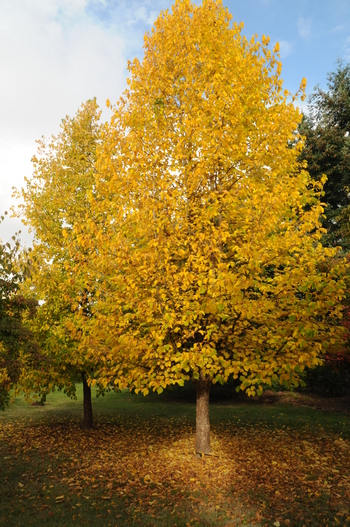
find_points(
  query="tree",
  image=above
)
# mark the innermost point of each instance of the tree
(54, 200)
(326, 129)
(206, 237)
(16, 342)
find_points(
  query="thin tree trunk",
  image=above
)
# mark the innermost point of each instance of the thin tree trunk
(202, 417)
(87, 421)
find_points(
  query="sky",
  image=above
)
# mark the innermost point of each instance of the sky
(56, 54)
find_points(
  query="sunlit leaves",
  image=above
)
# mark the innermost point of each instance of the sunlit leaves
(55, 199)
(206, 236)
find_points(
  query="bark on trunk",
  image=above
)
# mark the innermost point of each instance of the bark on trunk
(202, 417)
(87, 421)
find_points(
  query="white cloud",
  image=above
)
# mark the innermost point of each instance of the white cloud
(52, 60)
(53, 57)
(14, 164)
(286, 48)
(304, 27)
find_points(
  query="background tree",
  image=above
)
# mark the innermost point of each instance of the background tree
(326, 130)
(56, 198)
(206, 237)
(16, 342)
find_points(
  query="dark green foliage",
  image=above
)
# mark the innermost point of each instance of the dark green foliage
(325, 381)
(332, 379)
(15, 339)
(327, 149)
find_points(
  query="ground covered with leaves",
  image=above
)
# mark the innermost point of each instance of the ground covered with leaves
(271, 465)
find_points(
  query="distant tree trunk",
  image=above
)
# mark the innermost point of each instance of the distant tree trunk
(87, 421)
(202, 416)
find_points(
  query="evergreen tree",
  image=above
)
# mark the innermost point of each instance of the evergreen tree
(327, 149)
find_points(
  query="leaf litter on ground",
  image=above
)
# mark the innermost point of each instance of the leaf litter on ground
(258, 476)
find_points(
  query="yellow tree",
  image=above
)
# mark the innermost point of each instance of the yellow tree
(206, 234)
(56, 198)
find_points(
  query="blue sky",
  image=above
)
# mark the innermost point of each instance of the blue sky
(312, 33)
(55, 54)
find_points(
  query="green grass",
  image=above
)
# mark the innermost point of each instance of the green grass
(33, 474)
(172, 404)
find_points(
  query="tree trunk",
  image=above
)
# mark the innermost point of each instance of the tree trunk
(202, 417)
(87, 421)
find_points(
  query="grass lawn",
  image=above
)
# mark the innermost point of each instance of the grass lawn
(273, 465)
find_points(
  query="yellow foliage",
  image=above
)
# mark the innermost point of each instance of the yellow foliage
(205, 239)
(55, 198)
(4, 377)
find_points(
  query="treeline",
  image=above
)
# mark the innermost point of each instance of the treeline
(186, 239)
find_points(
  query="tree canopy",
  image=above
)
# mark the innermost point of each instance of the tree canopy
(205, 238)
(54, 200)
